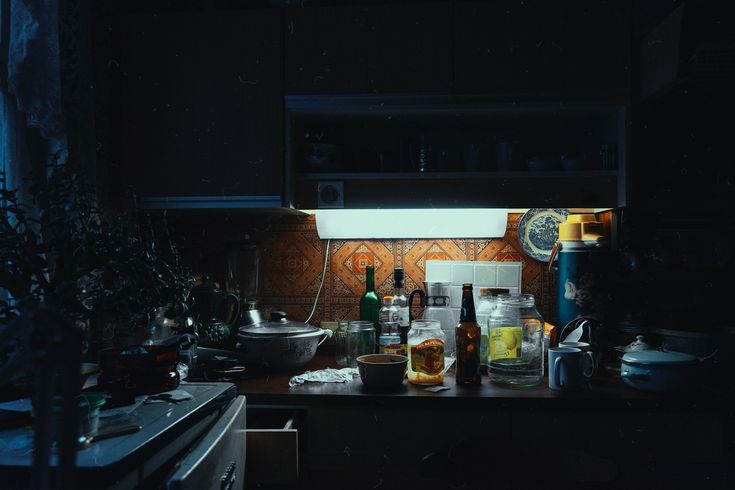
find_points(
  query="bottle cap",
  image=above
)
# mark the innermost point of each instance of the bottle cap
(387, 299)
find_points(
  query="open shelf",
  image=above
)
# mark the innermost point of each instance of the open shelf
(456, 151)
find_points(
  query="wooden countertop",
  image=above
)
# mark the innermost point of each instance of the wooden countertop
(273, 389)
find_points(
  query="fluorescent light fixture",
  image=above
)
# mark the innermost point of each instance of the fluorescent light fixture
(410, 223)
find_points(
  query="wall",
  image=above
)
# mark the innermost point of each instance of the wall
(291, 263)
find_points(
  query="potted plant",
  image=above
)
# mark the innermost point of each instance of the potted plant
(104, 272)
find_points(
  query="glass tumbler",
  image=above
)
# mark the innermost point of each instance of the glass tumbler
(360, 340)
(340, 344)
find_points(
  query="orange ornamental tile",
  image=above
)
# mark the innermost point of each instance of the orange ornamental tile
(417, 252)
(349, 260)
(486, 250)
(291, 265)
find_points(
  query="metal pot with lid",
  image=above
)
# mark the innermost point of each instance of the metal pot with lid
(279, 344)
(662, 372)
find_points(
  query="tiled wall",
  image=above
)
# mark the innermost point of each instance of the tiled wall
(292, 261)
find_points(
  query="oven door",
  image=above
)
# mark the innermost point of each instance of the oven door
(217, 461)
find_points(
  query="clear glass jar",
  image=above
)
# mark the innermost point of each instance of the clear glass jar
(485, 305)
(340, 344)
(360, 340)
(516, 332)
(426, 353)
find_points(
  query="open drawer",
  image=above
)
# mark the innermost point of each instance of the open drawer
(273, 446)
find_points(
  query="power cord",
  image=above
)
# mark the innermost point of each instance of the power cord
(324, 274)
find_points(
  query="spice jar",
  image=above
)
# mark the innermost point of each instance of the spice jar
(516, 331)
(426, 353)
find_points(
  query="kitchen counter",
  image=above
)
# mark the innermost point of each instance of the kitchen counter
(273, 389)
(607, 436)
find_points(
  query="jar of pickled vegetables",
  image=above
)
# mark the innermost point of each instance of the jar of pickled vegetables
(426, 353)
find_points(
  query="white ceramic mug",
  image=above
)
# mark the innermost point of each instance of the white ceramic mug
(565, 369)
(588, 360)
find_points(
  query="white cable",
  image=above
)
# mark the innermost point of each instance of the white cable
(324, 274)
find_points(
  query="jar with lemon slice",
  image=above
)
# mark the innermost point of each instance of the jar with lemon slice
(516, 333)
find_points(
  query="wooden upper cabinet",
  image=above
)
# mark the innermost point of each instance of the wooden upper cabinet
(566, 47)
(202, 104)
(383, 48)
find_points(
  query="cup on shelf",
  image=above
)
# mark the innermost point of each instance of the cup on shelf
(504, 154)
(565, 369)
(475, 157)
(589, 359)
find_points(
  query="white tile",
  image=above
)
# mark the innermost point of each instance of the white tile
(457, 312)
(455, 296)
(486, 275)
(514, 291)
(509, 276)
(438, 271)
(462, 273)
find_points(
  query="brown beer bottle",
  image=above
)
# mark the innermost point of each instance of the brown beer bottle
(467, 335)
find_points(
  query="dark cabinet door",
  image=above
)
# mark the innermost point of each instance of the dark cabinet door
(202, 104)
(369, 48)
(568, 47)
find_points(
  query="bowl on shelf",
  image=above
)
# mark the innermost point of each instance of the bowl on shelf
(382, 370)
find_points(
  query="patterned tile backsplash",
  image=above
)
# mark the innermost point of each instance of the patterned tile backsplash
(292, 260)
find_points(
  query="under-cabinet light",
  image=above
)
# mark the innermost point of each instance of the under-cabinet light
(410, 223)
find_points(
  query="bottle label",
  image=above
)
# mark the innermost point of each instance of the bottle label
(403, 316)
(390, 344)
(505, 343)
(428, 357)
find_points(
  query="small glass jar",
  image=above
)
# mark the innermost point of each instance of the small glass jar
(426, 353)
(516, 349)
(340, 344)
(360, 340)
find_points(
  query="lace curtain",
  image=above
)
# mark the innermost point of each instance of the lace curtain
(30, 88)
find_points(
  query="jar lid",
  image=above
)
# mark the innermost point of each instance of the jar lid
(517, 300)
(360, 325)
(659, 358)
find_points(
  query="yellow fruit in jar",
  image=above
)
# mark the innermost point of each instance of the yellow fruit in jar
(509, 339)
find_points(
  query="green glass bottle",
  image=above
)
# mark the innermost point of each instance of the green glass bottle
(369, 303)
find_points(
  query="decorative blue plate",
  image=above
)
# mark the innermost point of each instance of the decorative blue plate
(538, 231)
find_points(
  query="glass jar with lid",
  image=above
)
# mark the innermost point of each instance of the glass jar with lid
(485, 306)
(426, 353)
(516, 332)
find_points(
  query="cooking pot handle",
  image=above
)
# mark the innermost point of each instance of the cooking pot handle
(236, 310)
(327, 334)
(641, 376)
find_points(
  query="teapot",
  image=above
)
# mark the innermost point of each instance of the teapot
(208, 308)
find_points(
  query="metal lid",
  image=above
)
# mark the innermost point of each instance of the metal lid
(278, 326)
(659, 358)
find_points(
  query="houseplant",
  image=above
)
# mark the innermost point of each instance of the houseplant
(104, 271)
